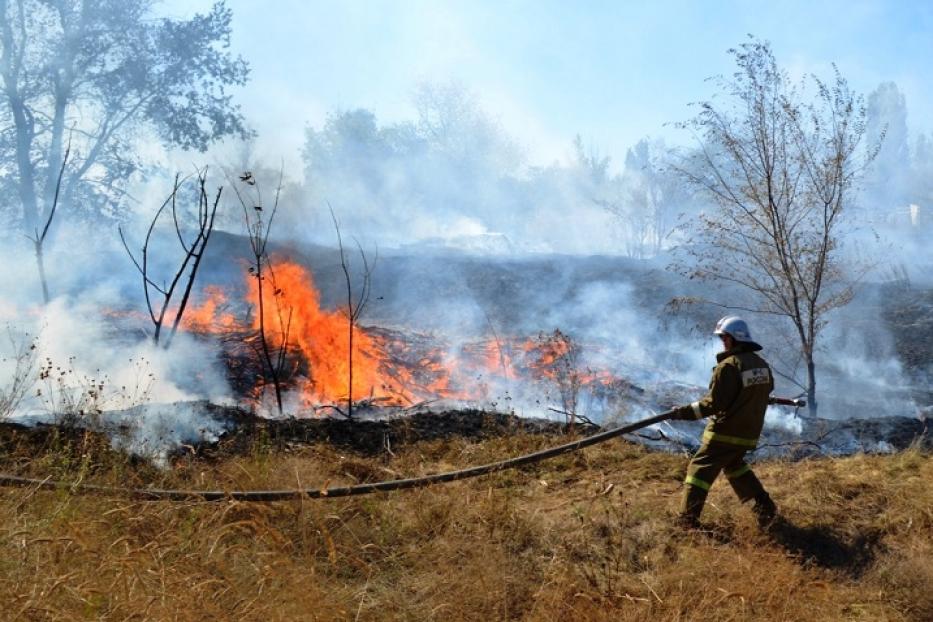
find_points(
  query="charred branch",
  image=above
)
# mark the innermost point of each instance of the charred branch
(160, 299)
(355, 304)
(258, 219)
(39, 240)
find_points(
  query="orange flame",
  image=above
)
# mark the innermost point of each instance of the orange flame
(389, 367)
(293, 315)
(209, 315)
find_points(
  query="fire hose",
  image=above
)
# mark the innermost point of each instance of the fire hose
(155, 494)
(152, 494)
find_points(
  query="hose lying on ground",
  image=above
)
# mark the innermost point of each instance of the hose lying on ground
(154, 494)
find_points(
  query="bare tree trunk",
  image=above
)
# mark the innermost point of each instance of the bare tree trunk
(41, 264)
(56, 146)
(267, 354)
(350, 372)
(25, 167)
(23, 122)
(39, 240)
(811, 386)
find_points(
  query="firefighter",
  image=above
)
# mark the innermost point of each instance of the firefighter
(736, 403)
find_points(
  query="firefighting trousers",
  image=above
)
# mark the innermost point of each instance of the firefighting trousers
(711, 459)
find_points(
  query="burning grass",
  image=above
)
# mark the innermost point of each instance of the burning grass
(392, 366)
(586, 536)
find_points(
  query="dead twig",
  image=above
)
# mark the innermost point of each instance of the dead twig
(193, 254)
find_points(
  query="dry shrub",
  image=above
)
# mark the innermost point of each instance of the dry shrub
(907, 577)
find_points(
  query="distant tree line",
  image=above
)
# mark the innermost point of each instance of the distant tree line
(455, 166)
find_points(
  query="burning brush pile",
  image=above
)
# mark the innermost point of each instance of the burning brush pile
(321, 362)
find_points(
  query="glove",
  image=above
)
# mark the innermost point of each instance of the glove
(684, 413)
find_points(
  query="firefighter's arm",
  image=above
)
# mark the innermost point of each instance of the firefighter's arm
(723, 391)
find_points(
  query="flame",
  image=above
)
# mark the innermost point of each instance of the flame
(553, 356)
(211, 315)
(293, 315)
(389, 366)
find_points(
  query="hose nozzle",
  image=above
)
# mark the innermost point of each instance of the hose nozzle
(787, 401)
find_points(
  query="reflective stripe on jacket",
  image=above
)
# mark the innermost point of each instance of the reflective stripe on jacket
(737, 398)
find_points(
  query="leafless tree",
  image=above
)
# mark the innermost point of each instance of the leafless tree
(356, 304)
(780, 160)
(655, 193)
(193, 254)
(259, 219)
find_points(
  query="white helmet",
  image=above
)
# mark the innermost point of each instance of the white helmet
(737, 328)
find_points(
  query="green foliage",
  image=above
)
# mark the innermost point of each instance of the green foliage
(99, 75)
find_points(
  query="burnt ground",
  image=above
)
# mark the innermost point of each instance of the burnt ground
(373, 437)
(246, 433)
(908, 313)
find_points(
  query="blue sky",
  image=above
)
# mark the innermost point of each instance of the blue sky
(610, 71)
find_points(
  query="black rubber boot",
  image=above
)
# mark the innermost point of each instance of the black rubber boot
(688, 522)
(764, 510)
(692, 506)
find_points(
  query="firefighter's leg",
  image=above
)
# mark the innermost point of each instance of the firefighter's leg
(747, 487)
(701, 473)
(742, 479)
(691, 506)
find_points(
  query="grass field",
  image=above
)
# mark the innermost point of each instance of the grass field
(587, 536)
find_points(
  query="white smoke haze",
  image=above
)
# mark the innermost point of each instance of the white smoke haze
(156, 431)
(477, 239)
(91, 351)
(79, 344)
(411, 204)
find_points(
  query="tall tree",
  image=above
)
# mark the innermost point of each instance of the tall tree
(654, 191)
(780, 162)
(101, 73)
(453, 163)
(888, 179)
(456, 127)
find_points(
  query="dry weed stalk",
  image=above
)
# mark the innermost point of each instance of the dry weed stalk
(258, 219)
(356, 305)
(22, 376)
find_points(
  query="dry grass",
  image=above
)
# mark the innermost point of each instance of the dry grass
(584, 537)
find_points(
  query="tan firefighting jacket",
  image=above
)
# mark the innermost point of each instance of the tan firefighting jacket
(737, 398)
